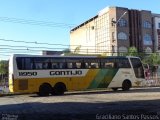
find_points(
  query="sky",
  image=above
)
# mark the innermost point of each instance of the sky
(29, 26)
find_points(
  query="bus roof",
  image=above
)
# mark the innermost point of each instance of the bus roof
(80, 56)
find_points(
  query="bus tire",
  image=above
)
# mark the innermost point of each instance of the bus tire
(114, 89)
(59, 89)
(126, 85)
(44, 89)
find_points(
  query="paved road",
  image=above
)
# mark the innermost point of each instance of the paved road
(134, 104)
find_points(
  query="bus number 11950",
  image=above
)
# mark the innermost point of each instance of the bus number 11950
(27, 73)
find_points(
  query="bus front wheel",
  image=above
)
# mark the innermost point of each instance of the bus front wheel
(126, 85)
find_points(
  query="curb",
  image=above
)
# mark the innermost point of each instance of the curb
(11, 94)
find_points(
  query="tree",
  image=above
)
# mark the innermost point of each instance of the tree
(153, 60)
(3, 67)
(132, 51)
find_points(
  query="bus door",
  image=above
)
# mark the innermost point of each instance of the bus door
(138, 68)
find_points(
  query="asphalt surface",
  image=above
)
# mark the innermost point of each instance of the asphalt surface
(137, 104)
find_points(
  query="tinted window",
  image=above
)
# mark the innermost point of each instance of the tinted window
(136, 63)
(39, 63)
(138, 68)
(92, 63)
(74, 63)
(25, 63)
(108, 63)
(123, 63)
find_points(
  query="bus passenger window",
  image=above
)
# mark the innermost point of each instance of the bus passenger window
(94, 65)
(38, 66)
(109, 65)
(28, 65)
(79, 65)
(87, 65)
(69, 65)
(54, 65)
(83, 65)
(74, 65)
(62, 65)
(49, 65)
(44, 65)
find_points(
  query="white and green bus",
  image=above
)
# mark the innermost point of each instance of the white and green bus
(56, 74)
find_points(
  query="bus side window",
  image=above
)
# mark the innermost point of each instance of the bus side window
(62, 65)
(78, 65)
(69, 65)
(49, 66)
(38, 66)
(94, 65)
(108, 65)
(55, 66)
(28, 65)
(87, 65)
(83, 65)
(44, 65)
(74, 65)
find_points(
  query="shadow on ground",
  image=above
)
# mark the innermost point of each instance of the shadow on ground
(133, 90)
(144, 109)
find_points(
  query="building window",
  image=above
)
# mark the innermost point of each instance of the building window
(113, 49)
(122, 36)
(147, 39)
(148, 50)
(123, 49)
(146, 24)
(122, 23)
(113, 22)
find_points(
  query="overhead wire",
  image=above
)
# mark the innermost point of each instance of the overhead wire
(38, 43)
(41, 23)
(35, 22)
(70, 26)
(30, 47)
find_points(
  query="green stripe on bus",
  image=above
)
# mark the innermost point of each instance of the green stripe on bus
(103, 78)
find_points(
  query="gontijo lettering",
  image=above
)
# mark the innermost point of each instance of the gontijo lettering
(68, 72)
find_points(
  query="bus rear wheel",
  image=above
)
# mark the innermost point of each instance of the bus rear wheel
(44, 90)
(126, 85)
(59, 89)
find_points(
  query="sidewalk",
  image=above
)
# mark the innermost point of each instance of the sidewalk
(4, 90)
(152, 82)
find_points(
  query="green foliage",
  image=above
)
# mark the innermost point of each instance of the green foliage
(3, 67)
(153, 59)
(132, 51)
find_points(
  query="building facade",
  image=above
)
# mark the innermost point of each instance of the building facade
(113, 31)
(156, 31)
